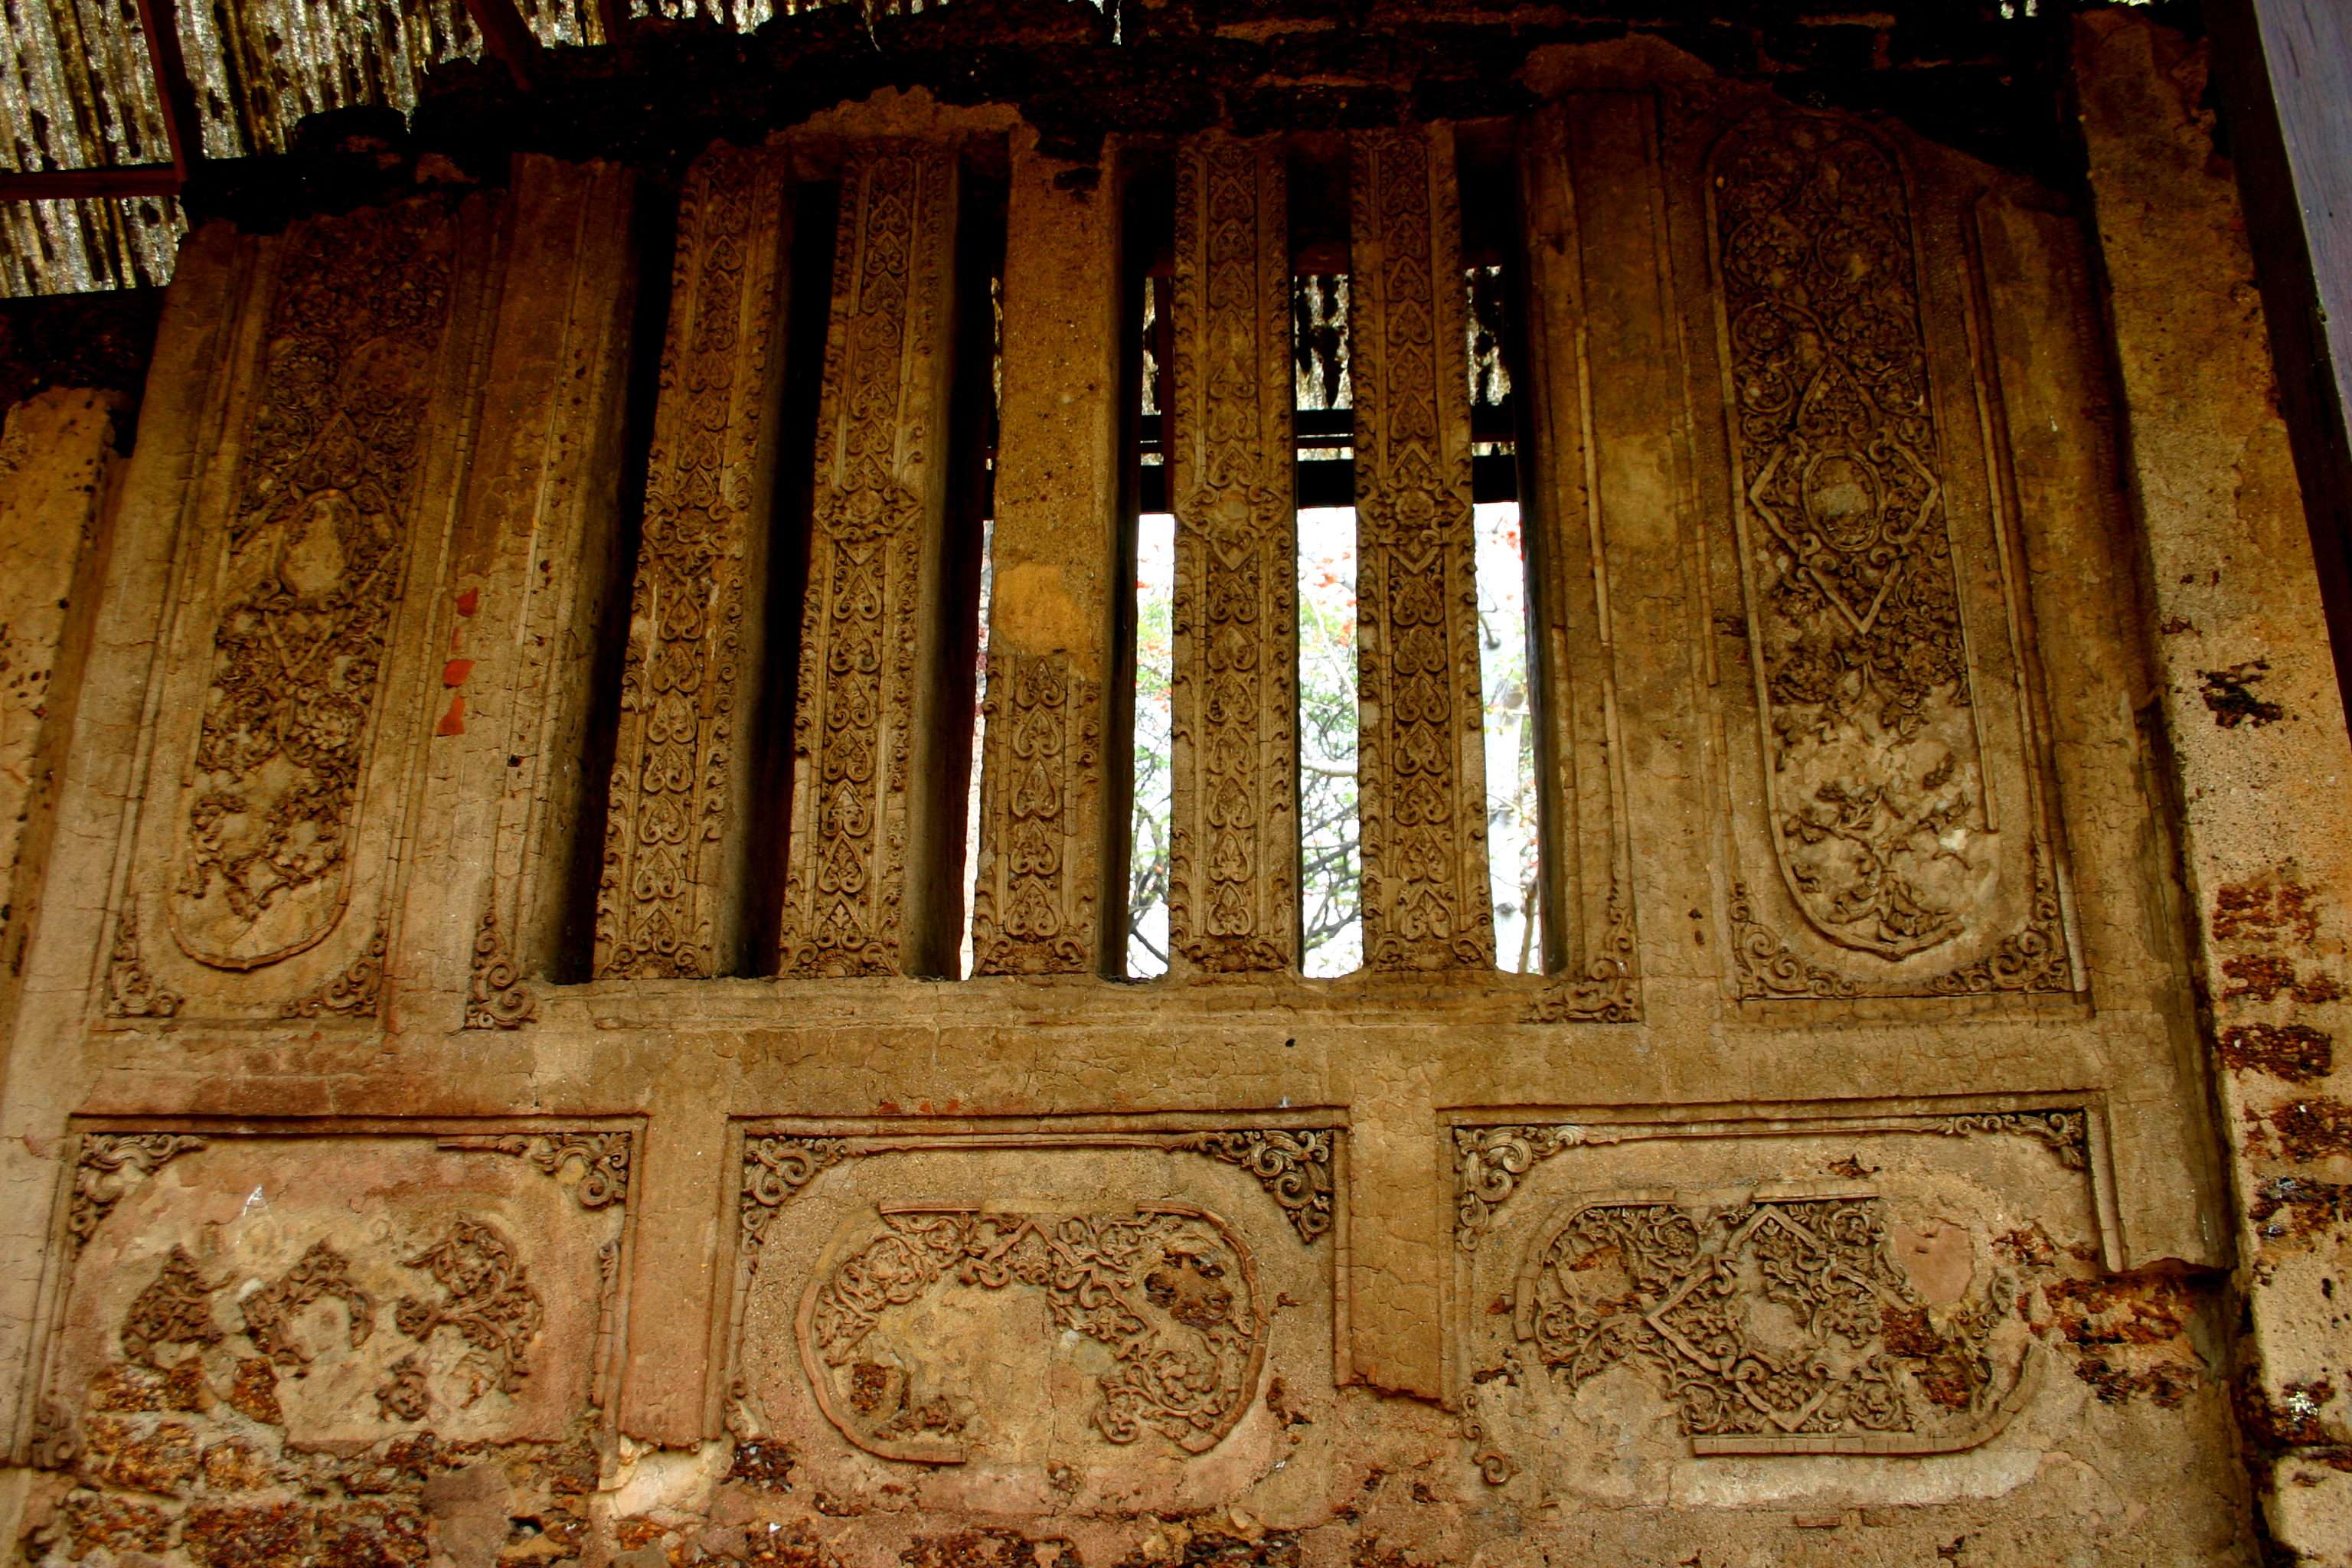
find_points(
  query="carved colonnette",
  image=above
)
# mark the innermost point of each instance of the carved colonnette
(535, 576)
(1233, 895)
(292, 1333)
(871, 822)
(1905, 843)
(1807, 1283)
(884, 1279)
(671, 900)
(1045, 891)
(284, 718)
(1586, 230)
(1422, 775)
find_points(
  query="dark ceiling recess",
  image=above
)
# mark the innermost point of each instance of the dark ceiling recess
(481, 78)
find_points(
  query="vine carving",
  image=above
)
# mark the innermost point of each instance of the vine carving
(1425, 900)
(1029, 916)
(486, 1298)
(1233, 900)
(317, 549)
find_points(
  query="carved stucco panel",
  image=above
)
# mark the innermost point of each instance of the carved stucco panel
(1234, 848)
(1899, 770)
(316, 1301)
(1034, 1317)
(283, 725)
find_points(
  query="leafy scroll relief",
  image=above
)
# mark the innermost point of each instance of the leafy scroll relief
(316, 546)
(1166, 1289)
(1874, 776)
(1774, 1324)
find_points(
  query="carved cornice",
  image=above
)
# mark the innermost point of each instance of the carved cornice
(496, 998)
(355, 992)
(1422, 777)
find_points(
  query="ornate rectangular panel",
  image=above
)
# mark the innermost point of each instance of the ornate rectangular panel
(1047, 1320)
(1040, 904)
(1639, 1300)
(1894, 833)
(284, 724)
(1421, 772)
(671, 900)
(1232, 901)
(307, 1338)
(869, 820)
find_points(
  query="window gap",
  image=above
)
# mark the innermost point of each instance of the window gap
(808, 315)
(978, 372)
(1148, 556)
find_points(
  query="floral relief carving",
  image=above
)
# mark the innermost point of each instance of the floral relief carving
(269, 1311)
(878, 495)
(131, 991)
(1167, 1289)
(1877, 786)
(1608, 993)
(1293, 1164)
(175, 1308)
(1233, 851)
(1776, 1325)
(603, 1158)
(109, 1164)
(355, 992)
(676, 778)
(1423, 772)
(316, 555)
(486, 1298)
(1028, 916)
(1768, 965)
(497, 996)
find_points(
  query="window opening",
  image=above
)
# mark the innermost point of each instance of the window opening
(1154, 810)
(986, 571)
(1330, 840)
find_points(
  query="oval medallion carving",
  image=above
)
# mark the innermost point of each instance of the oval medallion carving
(920, 1339)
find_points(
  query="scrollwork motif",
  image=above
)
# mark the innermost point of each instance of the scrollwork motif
(1609, 993)
(109, 1164)
(844, 898)
(1423, 775)
(1028, 916)
(355, 992)
(317, 551)
(1293, 1164)
(496, 998)
(1232, 901)
(131, 991)
(775, 1167)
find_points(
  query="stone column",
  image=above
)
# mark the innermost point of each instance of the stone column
(671, 900)
(1420, 765)
(2248, 694)
(874, 813)
(1050, 899)
(1233, 898)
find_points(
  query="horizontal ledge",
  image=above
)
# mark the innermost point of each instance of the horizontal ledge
(67, 185)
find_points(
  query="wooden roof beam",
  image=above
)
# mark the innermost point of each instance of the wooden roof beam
(508, 36)
(67, 185)
(161, 21)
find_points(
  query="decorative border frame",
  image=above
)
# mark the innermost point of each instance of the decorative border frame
(1488, 1173)
(1300, 1156)
(102, 1145)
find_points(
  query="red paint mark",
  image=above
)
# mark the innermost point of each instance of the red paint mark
(469, 601)
(888, 1108)
(454, 673)
(453, 723)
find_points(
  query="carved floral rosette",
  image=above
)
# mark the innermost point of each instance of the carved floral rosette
(1904, 845)
(284, 720)
(278, 1297)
